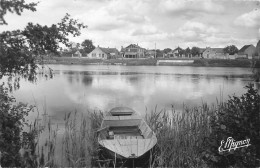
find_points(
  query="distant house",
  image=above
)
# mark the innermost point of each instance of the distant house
(246, 51)
(133, 51)
(174, 53)
(171, 54)
(112, 53)
(201, 50)
(104, 53)
(214, 53)
(77, 54)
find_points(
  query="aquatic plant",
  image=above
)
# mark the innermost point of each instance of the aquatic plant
(238, 118)
(180, 135)
(13, 137)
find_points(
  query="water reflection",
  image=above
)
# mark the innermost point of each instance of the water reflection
(84, 88)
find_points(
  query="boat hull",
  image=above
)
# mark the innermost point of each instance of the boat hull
(125, 138)
(111, 158)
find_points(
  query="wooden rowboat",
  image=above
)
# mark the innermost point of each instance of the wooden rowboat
(125, 134)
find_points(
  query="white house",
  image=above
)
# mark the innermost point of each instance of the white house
(103, 53)
(97, 53)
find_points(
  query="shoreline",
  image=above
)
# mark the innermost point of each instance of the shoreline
(197, 62)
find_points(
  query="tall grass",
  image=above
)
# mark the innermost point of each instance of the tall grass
(180, 135)
(79, 143)
(75, 145)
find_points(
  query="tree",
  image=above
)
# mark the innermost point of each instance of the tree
(12, 6)
(231, 50)
(237, 118)
(187, 51)
(87, 46)
(19, 50)
(180, 51)
(159, 53)
(195, 51)
(11, 123)
(166, 50)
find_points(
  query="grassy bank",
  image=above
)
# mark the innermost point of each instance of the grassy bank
(180, 137)
(223, 63)
(150, 62)
(85, 61)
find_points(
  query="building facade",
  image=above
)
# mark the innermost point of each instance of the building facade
(214, 53)
(97, 53)
(247, 51)
(133, 51)
(104, 53)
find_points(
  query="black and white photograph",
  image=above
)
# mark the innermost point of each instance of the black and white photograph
(130, 83)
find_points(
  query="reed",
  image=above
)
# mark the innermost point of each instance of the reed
(50, 145)
(180, 135)
(79, 143)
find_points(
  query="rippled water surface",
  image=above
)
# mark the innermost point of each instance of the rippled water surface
(101, 87)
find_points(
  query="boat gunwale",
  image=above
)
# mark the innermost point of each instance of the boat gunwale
(145, 129)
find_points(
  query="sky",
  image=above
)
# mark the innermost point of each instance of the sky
(152, 23)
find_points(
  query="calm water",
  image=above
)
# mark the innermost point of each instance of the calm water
(101, 87)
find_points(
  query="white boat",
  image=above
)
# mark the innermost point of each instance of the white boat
(125, 134)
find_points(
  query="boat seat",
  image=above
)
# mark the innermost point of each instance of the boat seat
(121, 123)
(121, 118)
(111, 135)
(128, 137)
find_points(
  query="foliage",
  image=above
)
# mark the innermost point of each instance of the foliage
(19, 51)
(166, 50)
(12, 121)
(78, 147)
(195, 51)
(182, 52)
(231, 49)
(87, 46)
(238, 118)
(179, 136)
(222, 62)
(16, 6)
(159, 53)
(187, 51)
(20, 48)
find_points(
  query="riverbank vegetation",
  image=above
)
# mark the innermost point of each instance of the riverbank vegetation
(151, 62)
(192, 137)
(187, 138)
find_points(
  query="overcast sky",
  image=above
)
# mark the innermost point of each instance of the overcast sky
(168, 23)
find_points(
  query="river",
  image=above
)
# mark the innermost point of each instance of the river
(101, 87)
